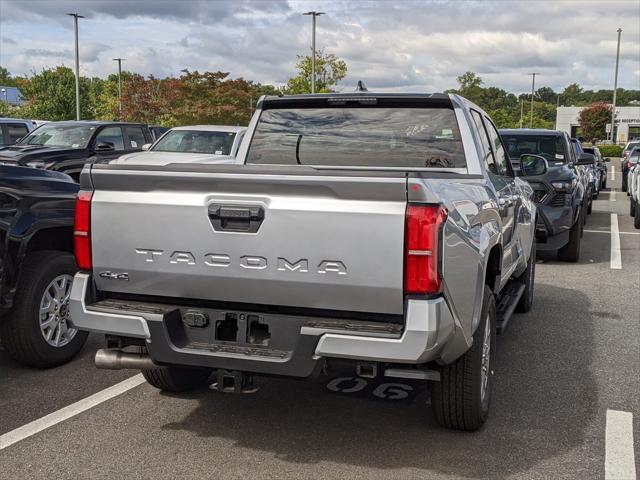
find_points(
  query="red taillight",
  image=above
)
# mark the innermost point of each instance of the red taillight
(82, 230)
(423, 224)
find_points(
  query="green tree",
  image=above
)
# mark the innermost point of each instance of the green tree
(593, 121)
(6, 79)
(572, 95)
(329, 71)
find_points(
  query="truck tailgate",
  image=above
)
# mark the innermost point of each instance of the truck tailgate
(253, 235)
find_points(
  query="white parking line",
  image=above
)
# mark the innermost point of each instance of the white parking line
(616, 258)
(612, 195)
(607, 231)
(613, 172)
(619, 463)
(69, 411)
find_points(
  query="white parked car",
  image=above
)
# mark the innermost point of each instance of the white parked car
(192, 144)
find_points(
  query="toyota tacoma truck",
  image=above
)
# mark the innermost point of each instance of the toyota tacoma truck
(37, 266)
(560, 193)
(383, 232)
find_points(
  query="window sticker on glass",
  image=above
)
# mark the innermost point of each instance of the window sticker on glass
(446, 133)
(559, 156)
(75, 145)
(218, 152)
(134, 144)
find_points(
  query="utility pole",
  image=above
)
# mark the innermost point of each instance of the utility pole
(76, 16)
(313, 14)
(533, 86)
(557, 107)
(119, 60)
(615, 89)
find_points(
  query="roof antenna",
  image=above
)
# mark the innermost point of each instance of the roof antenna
(361, 87)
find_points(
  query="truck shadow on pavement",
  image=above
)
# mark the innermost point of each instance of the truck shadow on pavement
(543, 402)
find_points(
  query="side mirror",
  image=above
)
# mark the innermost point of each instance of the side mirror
(607, 159)
(146, 147)
(105, 147)
(532, 165)
(586, 159)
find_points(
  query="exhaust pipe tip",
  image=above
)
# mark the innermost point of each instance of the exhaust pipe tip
(116, 359)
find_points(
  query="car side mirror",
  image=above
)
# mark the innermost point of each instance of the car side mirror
(532, 165)
(586, 159)
(146, 147)
(105, 147)
(607, 159)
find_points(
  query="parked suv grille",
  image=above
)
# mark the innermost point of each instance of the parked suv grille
(559, 200)
(540, 192)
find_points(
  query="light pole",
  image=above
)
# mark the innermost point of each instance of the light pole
(4, 93)
(533, 86)
(615, 88)
(119, 60)
(521, 110)
(557, 107)
(76, 16)
(313, 14)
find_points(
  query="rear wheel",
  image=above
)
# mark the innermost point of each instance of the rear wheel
(632, 208)
(636, 220)
(571, 251)
(176, 379)
(460, 400)
(604, 184)
(37, 331)
(528, 279)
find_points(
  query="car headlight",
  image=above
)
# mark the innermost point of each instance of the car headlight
(37, 164)
(565, 186)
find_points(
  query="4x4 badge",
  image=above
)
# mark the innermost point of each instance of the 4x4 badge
(114, 275)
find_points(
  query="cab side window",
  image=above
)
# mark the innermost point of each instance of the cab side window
(111, 135)
(502, 161)
(489, 160)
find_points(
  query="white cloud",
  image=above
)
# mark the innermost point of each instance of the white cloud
(402, 45)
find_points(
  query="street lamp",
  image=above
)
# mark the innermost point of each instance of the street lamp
(615, 87)
(313, 14)
(119, 60)
(533, 86)
(76, 16)
(4, 93)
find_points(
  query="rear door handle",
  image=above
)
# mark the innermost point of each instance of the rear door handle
(235, 218)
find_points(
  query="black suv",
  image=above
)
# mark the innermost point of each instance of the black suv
(67, 146)
(37, 266)
(559, 194)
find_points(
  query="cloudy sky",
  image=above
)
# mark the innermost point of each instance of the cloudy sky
(405, 45)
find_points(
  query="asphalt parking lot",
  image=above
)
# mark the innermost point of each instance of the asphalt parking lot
(562, 369)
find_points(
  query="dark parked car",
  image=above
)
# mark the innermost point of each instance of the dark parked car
(37, 266)
(13, 129)
(157, 131)
(67, 146)
(559, 193)
(601, 164)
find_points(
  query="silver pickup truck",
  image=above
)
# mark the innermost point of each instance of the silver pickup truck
(386, 233)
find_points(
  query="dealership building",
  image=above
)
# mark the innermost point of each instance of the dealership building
(627, 122)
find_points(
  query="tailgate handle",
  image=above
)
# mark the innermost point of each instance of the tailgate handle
(233, 218)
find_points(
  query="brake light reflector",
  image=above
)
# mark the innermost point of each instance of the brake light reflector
(82, 230)
(423, 224)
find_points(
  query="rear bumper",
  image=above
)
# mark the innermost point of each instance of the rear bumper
(297, 345)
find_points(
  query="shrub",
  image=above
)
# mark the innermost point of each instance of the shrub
(610, 150)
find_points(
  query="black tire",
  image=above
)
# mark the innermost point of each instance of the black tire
(632, 208)
(528, 279)
(176, 379)
(604, 184)
(20, 331)
(624, 184)
(636, 220)
(456, 400)
(571, 251)
(589, 208)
